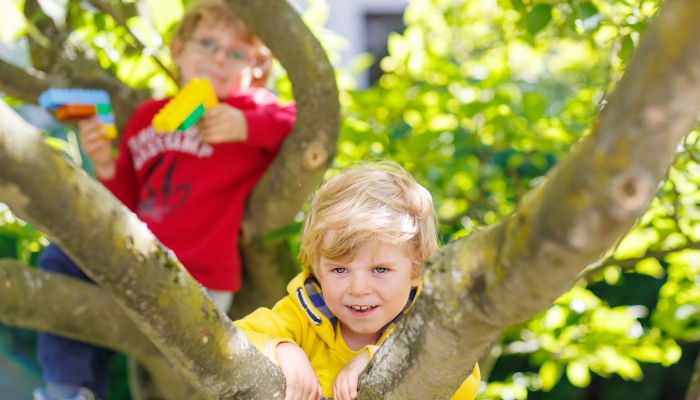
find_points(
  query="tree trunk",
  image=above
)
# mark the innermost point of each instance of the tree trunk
(299, 168)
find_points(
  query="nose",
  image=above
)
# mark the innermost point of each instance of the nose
(360, 285)
(219, 56)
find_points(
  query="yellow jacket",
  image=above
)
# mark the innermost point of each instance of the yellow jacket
(302, 318)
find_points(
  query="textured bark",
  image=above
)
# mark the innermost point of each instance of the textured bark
(507, 273)
(694, 389)
(20, 84)
(118, 252)
(299, 168)
(86, 313)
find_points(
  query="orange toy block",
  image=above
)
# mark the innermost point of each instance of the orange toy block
(75, 111)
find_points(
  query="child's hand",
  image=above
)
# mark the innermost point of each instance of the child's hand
(223, 123)
(345, 383)
(91, 134)
(302, 383)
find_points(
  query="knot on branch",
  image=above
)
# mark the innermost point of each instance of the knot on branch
(314, 156)
(631, 192)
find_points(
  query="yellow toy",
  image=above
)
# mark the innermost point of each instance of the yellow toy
(186, 108)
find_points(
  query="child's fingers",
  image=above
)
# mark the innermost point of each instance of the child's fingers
(290, 393)
(96, 147)
(88, 123)
(344, 392)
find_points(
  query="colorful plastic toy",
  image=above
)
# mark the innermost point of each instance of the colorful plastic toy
(187, 107)
(73, 104)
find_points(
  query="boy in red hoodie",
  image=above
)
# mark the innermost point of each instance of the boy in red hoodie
(189, 187)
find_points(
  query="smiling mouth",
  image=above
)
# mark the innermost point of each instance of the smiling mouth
(362, 308)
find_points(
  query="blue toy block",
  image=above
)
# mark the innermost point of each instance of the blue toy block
(107, 119)
(53, 98)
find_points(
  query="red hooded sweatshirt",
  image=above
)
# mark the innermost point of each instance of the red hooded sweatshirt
(192, 194)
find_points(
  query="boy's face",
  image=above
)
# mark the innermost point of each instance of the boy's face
(215, 52)
(367, 292)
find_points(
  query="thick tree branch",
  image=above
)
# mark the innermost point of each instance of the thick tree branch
(86, 313)
(117, 251)
(507, 273)
(299, 167)
(20, 84)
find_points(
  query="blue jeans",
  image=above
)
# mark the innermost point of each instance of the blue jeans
(65, 360)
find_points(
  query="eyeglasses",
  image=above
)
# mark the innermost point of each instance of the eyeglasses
(233, 57)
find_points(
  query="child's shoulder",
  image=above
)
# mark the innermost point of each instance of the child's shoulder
(252, 98)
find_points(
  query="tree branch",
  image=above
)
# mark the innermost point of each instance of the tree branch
(118, 252)
(630, 263)
(20, 84)
(299, 167)
(107, 9)
(507, 273)
(85, 313)
(694, 388)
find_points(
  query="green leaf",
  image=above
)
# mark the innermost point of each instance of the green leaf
(533, 106)
(590, 16)
(550, 371)
(12, 21)
(538, 18)
(626, 49)
(283, 232)
(578, 373)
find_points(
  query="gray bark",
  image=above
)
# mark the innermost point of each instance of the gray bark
(85, 312)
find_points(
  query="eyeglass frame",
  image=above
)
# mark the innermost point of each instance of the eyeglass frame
(212, 48)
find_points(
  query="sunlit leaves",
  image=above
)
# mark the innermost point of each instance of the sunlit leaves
(538, 18)
(12, 20)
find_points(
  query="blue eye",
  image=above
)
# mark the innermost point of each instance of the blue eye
(381, 270)
(340, 270)
(236, 55)
(209, 45)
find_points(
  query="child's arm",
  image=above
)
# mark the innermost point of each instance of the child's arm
(277, 333)
(117, 175)
(92, 140)
(345, 383)
(265, 127)
(269, 125)
(298, 374)
(222, 124)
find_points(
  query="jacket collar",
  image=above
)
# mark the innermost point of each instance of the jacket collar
(307, 292)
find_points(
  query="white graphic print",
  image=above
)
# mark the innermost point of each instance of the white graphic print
(147, 144)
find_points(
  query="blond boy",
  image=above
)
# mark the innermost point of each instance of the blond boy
(189, 187)
(366, 236)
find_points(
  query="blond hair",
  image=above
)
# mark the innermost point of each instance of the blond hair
(217, 11)
(365, 205)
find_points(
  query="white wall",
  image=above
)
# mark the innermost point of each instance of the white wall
(347, 19)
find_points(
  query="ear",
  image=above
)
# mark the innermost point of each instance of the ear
(415, 282)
